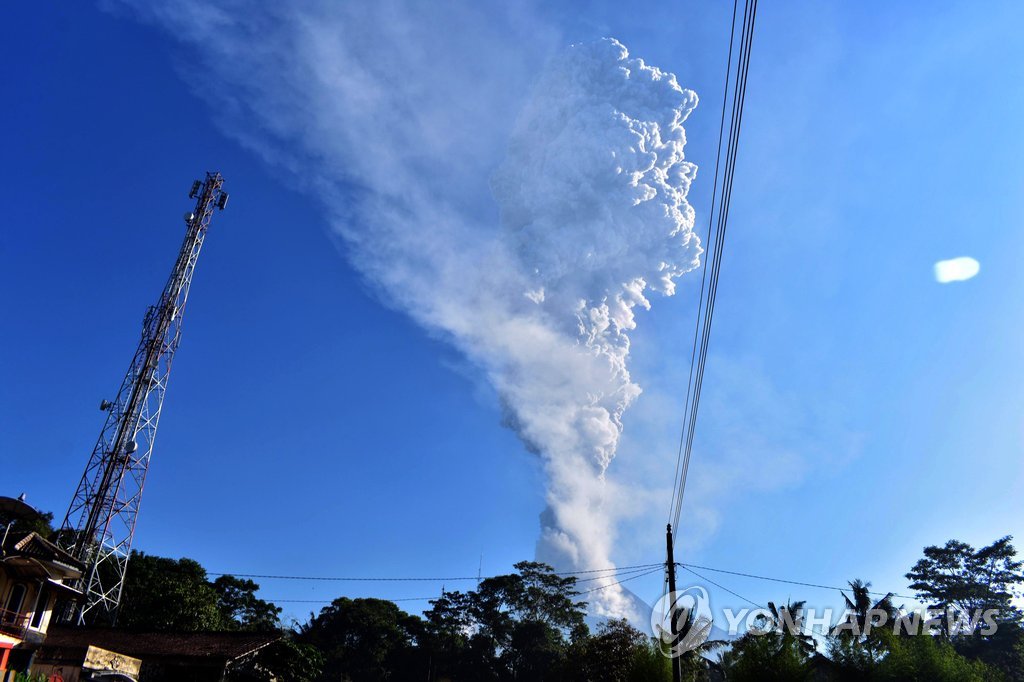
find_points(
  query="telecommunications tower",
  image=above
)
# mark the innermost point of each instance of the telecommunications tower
(100, 522)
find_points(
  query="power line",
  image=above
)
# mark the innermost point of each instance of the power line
(639, 572)
(328, 601)
(717, 237)
(788, 582)
(626, 572)
(610, 571)
(704, 271)
(740, 596)
(644, 570)
(624, 580)
(721, 587)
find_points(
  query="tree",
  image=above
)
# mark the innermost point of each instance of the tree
(240, 608)
(534, 593)
(286, 660)
(529, 618)
(365, 640)
(168, 594)
(789, 627)
(456, 649)
(855, 644)
(925, 658)
(964, 583)
(175, 594)
(972, 581)
(778, 650)
(41, 524)
(613, 651)
(618, 652)
(651, 665)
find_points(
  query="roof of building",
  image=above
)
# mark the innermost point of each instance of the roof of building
(34, 545)
(215, 646)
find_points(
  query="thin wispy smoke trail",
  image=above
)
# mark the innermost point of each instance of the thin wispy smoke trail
(409, 130)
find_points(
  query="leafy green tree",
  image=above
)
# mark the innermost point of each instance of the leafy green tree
(523, 626)
(1003, 650)
(864, 611)
(856, 645)
(240, 607)
(618, 652)
(535, 593)
(168, 594)
(529, 618)
(925, 658)
(366, 640)
(963, 581)
(651, 665)
(175, 594)
(957, 575)
(456, 649)
(779, 651)
(789, 622)
(762, 657)
(611, 653)
(41, 524)
(286, 660)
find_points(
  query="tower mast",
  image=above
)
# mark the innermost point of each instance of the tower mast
(100, 522)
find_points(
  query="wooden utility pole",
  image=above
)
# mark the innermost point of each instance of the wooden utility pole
(677, 671)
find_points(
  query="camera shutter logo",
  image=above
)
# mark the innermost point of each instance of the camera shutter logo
(681, 620)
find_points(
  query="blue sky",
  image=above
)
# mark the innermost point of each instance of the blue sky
(854, 409)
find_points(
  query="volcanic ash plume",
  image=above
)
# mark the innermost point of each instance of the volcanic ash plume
(593, 206)
(592, 193)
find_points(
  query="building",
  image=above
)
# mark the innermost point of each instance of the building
(74, 654)
(36, 582)
(35, 575)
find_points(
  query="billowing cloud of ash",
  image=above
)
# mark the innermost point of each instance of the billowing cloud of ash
(402, 136)
(593, 204)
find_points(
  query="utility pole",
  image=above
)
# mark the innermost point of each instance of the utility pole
(100, 522)
(670, 563)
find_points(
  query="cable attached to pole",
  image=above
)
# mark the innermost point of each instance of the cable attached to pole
(716, 238)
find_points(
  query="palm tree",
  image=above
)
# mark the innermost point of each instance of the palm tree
(778, 650)
(861, 610)
(789, 621)
(697, 650)
(855, 644)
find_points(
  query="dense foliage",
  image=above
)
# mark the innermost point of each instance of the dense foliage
(529, 626)
(175, 594)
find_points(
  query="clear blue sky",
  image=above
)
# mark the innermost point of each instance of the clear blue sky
(854, 409)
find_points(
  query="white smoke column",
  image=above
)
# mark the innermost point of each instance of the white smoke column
(592, 194)
(593, 199)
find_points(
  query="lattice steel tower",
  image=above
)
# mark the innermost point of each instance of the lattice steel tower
(100, 523)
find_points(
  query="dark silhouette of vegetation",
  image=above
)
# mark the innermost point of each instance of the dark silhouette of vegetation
(41, 524)
(240, 608)
(959, 580)
(286, 660)
(175, 594)
(529, 626)
(956, 576)
(364, 639)
(776, 649)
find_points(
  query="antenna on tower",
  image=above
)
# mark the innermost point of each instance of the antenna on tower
(100, 522)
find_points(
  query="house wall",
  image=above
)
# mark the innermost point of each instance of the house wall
(30, 604)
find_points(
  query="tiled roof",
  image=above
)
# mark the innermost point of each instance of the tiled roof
(222, 646)
(36, 546)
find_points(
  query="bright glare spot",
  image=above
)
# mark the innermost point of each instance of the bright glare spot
(956, 269)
